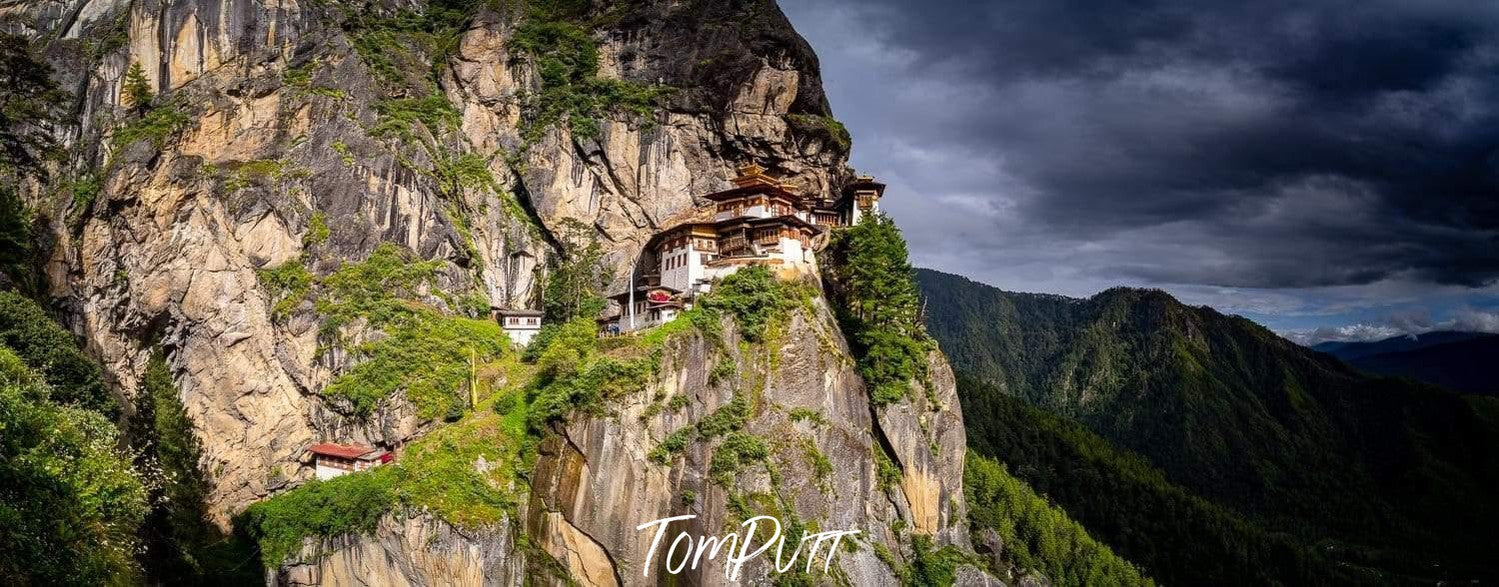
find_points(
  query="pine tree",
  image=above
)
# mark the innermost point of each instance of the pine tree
(181, 545)
(136, 93)
(31, 105)
(872, 284)
(572, 290)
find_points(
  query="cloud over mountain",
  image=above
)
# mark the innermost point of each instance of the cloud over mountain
(1275, 144)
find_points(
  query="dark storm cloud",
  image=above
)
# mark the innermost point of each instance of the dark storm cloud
(1249, 144)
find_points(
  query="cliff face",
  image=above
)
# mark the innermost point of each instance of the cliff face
(829, 462)
(806, 403)
(308, 133)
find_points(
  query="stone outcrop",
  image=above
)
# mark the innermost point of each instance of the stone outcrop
(813, 407)
(407, 553)
(278, 134)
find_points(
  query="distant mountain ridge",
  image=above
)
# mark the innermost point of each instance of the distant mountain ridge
(1385, 474)
(1346, 349)
(1460, 361)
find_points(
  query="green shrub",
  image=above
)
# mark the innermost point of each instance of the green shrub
(317, 230)
(674, 444)
(288, 284)
(826, 128)
(755, 298)
(342, 505)
(738, 449)
(158, 125)
(428, 356)
(566, 59)
(70, 504)
(399, 116)
(727, 418)
(377, 288)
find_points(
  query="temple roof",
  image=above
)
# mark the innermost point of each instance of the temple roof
(345, 451)
(522, 312)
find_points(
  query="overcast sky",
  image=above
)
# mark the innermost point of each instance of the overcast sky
(1331, 165)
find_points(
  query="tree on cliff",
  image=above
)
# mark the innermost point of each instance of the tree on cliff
(870, 281)
(136, 92)
(180, 545)
(31, 105)
(572, 290)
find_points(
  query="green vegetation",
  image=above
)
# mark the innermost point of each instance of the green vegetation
(826, 128)
(1121, 498)
(574, 374)
(342, 505)
(425, 355)
(807, 415)
(82, 192)
(1299, 468)
(17, 258)
(70, 504)
(31, 104)
(1036, 534)
(157, 125)
(407, 47)
(886, 473)
(50, 351)
(566, 59)
(574, 284)
(180, 544)
(288, 284)
(929, 566)
(871, 285)
(402, 117)
(261, 171)
(344, 154)
(438, 473)
(317, 230)
(136, 92)
(757, 300)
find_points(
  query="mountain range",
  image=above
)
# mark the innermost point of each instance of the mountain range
(1290, 459)
(1460, 361)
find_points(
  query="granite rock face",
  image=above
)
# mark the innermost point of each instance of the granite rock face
(810, 408)
(280, 134)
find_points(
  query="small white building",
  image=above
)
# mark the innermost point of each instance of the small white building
(520, 325)
(332, 460)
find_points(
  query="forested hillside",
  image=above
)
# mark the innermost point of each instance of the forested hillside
(1229, 421)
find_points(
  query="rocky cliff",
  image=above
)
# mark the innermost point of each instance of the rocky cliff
(284, 141)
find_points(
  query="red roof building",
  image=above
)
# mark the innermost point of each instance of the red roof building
(332, 459)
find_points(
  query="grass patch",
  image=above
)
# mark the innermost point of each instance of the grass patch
(157, 125)
(288, 284)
